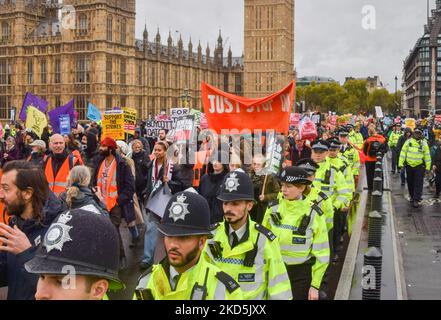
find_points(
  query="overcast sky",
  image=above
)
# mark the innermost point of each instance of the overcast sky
(330, 38)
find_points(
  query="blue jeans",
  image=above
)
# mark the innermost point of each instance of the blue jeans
(151, 236)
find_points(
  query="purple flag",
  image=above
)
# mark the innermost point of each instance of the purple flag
(31, 100)
(55, 114)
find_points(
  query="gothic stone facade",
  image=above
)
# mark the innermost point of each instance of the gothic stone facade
(98, 60)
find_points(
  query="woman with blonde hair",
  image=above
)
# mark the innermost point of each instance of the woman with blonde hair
(78, 194)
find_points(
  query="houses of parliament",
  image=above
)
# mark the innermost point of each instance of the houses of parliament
(87, 50)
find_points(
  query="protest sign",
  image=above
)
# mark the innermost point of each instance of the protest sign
(184, 130)
(274, 156)
(410, 123)
(113, 124)
(152, 127)
(379, 112)
(130, 116)
(294, 119)
(178, 112)
(226, 111)
(35, 120)
(64, 124)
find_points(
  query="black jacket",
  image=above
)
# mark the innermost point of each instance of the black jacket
(21, 284)
(209, 188)
(85, 198)
(142, 162)
(295, 156)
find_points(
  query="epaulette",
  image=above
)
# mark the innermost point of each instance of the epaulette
(266, 232)
(144, 278)
(323, 195)
(230, 284)
(317, 209)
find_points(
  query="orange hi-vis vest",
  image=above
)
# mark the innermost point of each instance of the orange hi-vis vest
(111, 186)
(77, 155)
(58, 184)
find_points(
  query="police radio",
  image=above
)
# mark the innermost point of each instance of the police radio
(200, 292)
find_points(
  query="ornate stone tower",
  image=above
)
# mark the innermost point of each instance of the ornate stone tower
(269, 46)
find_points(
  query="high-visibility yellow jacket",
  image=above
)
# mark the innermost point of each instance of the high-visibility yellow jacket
(356, 138)
(302, 235)
(353, 157)
(393, 139)
(332, 182)
(255, 263)
(415, 153)
(342, 164)
(204, 281)
(325, 204)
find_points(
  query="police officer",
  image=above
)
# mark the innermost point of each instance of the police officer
(341, 163)
(393, 143)
(301, 230)
(331, 181)
(247, 251)
(415, 157)
(355, 137)
(350, 153)
(184, 274)
(317, 196)
(79, 258)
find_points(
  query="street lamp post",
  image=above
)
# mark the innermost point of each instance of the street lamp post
(396, 94)
(186, 98)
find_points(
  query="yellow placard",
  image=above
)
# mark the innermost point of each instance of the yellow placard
(130, 116)
(36, 120)
(410, 123)
(113, 124)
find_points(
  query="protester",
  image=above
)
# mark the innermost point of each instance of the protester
(11, 151)
(210, 186)
(58, 164)
(160, 172)
(265, 186)
(79, 195)
(115, 186)
(372, 147)
(299, 150)
(24, 192)
(38, 154)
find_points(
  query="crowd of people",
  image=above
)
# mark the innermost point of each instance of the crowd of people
(230, 230)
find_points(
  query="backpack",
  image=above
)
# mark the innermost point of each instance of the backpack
(375, 147)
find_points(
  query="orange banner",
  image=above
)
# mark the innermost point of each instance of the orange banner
(227, 111)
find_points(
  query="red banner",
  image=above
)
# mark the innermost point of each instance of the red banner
(227, 111)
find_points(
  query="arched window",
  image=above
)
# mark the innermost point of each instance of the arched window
(109, 28)
(123, 31)
(6, 31)
(83, 23)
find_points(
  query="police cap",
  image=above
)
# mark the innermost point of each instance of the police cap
(320, 145)
(87, 241)
(237, 186)
(187, 214)
(294, 175)
(309, 165)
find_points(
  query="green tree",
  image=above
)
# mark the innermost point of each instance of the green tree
(358, 89)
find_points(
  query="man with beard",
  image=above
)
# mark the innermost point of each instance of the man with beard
(58, 165)
(185, 274)
(247, 251)
(115, 186)
(24, 190)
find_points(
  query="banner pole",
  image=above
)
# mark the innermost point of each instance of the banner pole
(264, 185)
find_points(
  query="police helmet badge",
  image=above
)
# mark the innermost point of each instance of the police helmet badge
(58, 233)
(179, 209)
(283, 174)
(232, 183)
